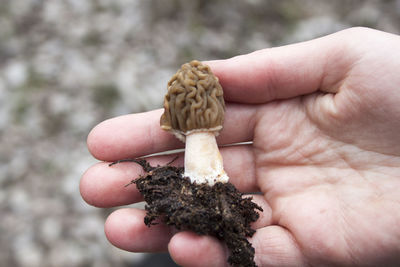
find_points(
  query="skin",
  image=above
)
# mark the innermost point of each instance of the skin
(324, 118)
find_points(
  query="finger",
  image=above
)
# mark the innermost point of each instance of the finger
(126, 230)
(190, 249)
(130, 136)
(275, 246)
(239, 164)
(104, 186)
(107, 186)
(285, 72)
(140, 134)
(265, 218)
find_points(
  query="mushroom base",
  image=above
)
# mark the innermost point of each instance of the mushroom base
(218, 210)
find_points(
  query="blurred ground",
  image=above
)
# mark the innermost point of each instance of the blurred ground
(67, 65)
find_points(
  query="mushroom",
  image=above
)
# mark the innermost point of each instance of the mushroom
(194, 111)
(199, 197)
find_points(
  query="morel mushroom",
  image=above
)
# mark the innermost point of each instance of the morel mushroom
(194, 112)
(199, 198)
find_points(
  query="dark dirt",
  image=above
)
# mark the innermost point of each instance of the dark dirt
(218, 210)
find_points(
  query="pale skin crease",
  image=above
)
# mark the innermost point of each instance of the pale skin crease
(324, 118)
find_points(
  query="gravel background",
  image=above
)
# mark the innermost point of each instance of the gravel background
(67, 65)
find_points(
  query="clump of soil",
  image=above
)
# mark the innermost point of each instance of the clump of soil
(218, 210)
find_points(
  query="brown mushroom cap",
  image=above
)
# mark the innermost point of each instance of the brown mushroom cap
(194, 101)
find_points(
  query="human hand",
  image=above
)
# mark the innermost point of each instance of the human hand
(324, 118)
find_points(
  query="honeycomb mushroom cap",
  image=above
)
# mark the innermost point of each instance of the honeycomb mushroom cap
(194, 101)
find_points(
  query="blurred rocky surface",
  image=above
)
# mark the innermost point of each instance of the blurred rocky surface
(67, 65)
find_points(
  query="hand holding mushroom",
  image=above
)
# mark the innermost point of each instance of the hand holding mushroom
(324, 120)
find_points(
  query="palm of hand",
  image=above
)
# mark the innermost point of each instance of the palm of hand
(330, 176)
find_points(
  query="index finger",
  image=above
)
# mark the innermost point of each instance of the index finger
(136, 135)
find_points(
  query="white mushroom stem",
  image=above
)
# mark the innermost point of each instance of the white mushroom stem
(203, 162)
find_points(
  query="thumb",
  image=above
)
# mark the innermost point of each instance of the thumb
(287, 71)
